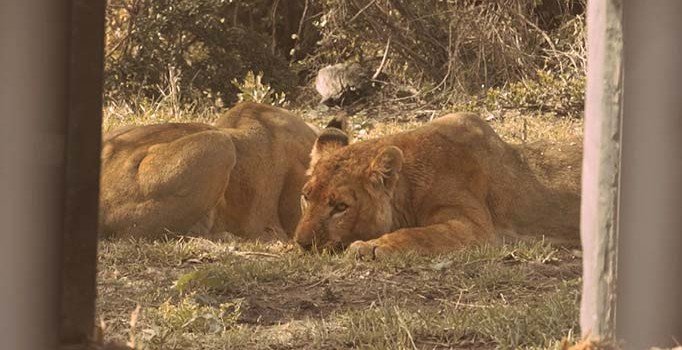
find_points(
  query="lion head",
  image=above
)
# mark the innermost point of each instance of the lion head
(348, 196)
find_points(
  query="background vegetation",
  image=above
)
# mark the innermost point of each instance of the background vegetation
(498, 54)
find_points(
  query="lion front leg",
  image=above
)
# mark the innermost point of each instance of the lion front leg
(433, 239)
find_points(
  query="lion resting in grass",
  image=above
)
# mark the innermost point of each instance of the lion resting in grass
(242, 175)
(450, 183)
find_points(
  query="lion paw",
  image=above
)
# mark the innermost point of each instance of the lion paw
(362, 250)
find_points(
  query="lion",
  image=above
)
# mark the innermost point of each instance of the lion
(448, 184)
(242, 175)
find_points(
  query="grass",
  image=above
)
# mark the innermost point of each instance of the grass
(198, 294)
(118, 114)
(512, 125)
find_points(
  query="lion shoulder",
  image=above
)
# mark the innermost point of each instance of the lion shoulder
(274, 120)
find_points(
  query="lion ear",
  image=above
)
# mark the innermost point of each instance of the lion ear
(386, 166)
(341, 122)
(329, 140)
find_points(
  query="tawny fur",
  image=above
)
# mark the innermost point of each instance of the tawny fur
(242, 175)
(448, 184)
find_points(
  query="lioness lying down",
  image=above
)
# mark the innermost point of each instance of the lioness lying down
(448, 184)
(243, 175)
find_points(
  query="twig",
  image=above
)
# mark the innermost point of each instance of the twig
(322, 280)
(383, 280)
(458, 304)
(300, 23)
(362, 10)
(297, 43)
(383, 59)
(403, 325)
(442, 82)
(274, 26)
(270, 255)
(235, 15)
(461, 293)
(118, 44)
(544, 36)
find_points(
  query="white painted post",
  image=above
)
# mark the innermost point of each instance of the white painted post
(601, 167)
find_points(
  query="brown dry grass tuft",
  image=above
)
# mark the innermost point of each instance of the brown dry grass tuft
(588, 343)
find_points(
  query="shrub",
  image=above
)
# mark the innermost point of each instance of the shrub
(252, 89)
(466, 45)
(432, 49)
(207, 43)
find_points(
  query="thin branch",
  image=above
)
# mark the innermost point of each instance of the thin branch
(235, 15)
(362, 10)
(383, 59)
(297, 44)
(300, 23)
(273, 19)
(543, 34)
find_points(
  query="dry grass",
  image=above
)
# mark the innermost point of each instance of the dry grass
(197, 294)
(116, 115)
(512, 125)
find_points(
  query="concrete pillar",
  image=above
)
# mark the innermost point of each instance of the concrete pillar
(33, 116)
(631, 223)
(50, 116)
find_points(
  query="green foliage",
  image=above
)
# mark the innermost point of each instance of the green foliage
(252, 89)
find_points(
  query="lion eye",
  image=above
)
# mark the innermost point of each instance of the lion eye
(340, 207)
